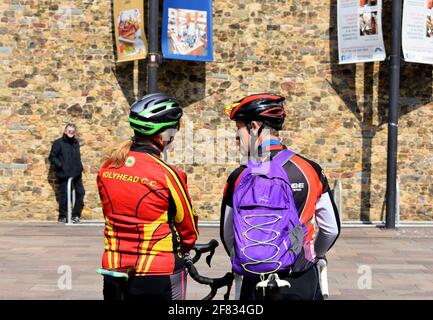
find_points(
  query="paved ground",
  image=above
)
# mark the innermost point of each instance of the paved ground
(366, 263)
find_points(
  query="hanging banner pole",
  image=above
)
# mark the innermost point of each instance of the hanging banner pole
(394, 112)
(154, 57)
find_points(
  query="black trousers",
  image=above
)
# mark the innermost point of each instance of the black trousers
(305, 286)
(77, 183)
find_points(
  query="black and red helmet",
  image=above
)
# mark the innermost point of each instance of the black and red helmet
(264, 107)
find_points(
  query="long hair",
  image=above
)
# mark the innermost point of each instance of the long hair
(117, 157)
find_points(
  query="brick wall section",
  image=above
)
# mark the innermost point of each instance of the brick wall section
(57, 65)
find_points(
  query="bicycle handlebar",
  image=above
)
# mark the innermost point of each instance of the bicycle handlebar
(214, 283)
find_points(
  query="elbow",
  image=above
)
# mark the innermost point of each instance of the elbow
(333, 232)
(189, 242)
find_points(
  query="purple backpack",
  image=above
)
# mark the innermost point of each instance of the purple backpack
(268, 234)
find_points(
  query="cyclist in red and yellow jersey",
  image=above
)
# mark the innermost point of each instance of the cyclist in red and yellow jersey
(149, 220)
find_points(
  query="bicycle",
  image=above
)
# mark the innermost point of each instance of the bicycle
(122, 275)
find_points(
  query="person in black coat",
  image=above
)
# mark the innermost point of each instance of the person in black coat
(66, 159)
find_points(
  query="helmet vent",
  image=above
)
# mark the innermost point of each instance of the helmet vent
(159, 109)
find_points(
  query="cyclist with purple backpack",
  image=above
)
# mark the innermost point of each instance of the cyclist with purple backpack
(278, 217)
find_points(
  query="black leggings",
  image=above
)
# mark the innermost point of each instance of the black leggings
(157, 288)
(304, 286)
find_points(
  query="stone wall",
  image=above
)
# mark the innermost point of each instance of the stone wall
(57, 66)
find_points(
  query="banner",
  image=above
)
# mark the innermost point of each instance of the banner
(417, 31)
(129, 31)
(187, 30)
(360, 37)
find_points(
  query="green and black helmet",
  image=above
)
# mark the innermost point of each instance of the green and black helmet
(153, 113)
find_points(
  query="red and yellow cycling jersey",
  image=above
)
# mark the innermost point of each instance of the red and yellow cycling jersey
(149, 219)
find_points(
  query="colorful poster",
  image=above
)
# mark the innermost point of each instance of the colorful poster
(360, 37)
(187, 30)
(129, 32)
(417, 31)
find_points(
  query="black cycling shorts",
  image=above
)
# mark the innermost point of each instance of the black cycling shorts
(156, 288)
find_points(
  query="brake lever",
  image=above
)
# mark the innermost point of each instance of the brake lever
(199, 249)
(227, 280)
(229, 287)
(210, 256)
(218, 283)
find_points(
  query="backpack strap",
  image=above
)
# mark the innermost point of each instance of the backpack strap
(269, 168)
(282, 157)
